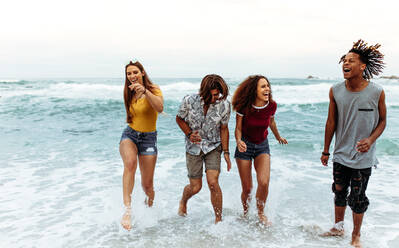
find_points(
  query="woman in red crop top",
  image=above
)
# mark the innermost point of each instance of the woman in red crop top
(255, 113)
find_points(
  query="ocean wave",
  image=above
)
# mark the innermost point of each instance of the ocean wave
(284, 94)
(385, 81)
(388, 146)
(68, 90)
(73, 90)
(176, 91)
(318, 93)
(299, 81)
(9, 81)
(287, 93)
(15, 82)
(391, 95)
(284, 91)
(301, 94)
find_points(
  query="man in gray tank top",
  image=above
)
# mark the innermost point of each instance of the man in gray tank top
(357, 116)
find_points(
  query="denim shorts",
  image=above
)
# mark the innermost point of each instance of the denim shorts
(253, 150)
(146, 142)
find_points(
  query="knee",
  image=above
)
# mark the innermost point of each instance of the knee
(195, 188)
(263, 184)
(131, 165)
(338, 188)
(213, 185)
(340, 195)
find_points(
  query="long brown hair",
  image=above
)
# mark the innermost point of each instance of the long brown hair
(129, 94)
(211, 82)
(245, 94)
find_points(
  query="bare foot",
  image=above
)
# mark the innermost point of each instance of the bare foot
(263, 219)
(218, 219)
(246, 210)
(126, 221)
(245, 213)
(148, 201)
(336, 230)
(356, 241)
(333, 233)
(182, 209)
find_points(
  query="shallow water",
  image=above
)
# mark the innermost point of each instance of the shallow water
(60, 172)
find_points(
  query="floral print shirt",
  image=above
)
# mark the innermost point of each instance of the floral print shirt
(192, 112)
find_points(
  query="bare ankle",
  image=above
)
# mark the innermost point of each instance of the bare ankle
(356, 241)
(126, 219)
(128, 209)
(182, 208)
(336, 230)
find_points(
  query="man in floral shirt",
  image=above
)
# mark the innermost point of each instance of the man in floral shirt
(204, 118)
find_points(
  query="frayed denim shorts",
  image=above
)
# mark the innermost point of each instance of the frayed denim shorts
(253, 150)
(146, 142)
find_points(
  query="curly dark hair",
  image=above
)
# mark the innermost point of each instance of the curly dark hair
(245, 94)
(370, 56)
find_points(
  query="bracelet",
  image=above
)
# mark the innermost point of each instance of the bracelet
(189, 134)
(326, 153)
(226, 152)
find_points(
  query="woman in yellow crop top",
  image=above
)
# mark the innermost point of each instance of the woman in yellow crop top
(143, 102)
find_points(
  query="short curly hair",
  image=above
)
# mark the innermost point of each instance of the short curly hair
(369, 55)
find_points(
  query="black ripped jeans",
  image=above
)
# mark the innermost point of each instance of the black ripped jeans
(357, 179)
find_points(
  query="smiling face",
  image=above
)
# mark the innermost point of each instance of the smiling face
(263, 90)
(134, 75)
(352, 66)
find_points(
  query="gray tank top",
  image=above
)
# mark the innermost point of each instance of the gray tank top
(357, 118)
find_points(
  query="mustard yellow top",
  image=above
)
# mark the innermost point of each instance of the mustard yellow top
(144, 116)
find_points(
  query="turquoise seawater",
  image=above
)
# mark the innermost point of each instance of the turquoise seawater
(60, 171)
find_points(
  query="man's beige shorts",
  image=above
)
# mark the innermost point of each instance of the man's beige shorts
(211, 159)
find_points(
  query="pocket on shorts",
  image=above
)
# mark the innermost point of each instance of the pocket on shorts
(148, 144)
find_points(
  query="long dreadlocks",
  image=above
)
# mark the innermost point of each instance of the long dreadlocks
(370, 56)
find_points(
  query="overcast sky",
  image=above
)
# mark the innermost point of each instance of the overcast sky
(186, 38)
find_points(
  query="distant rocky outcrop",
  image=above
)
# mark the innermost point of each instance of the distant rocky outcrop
(390, 77)
(311, 77)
